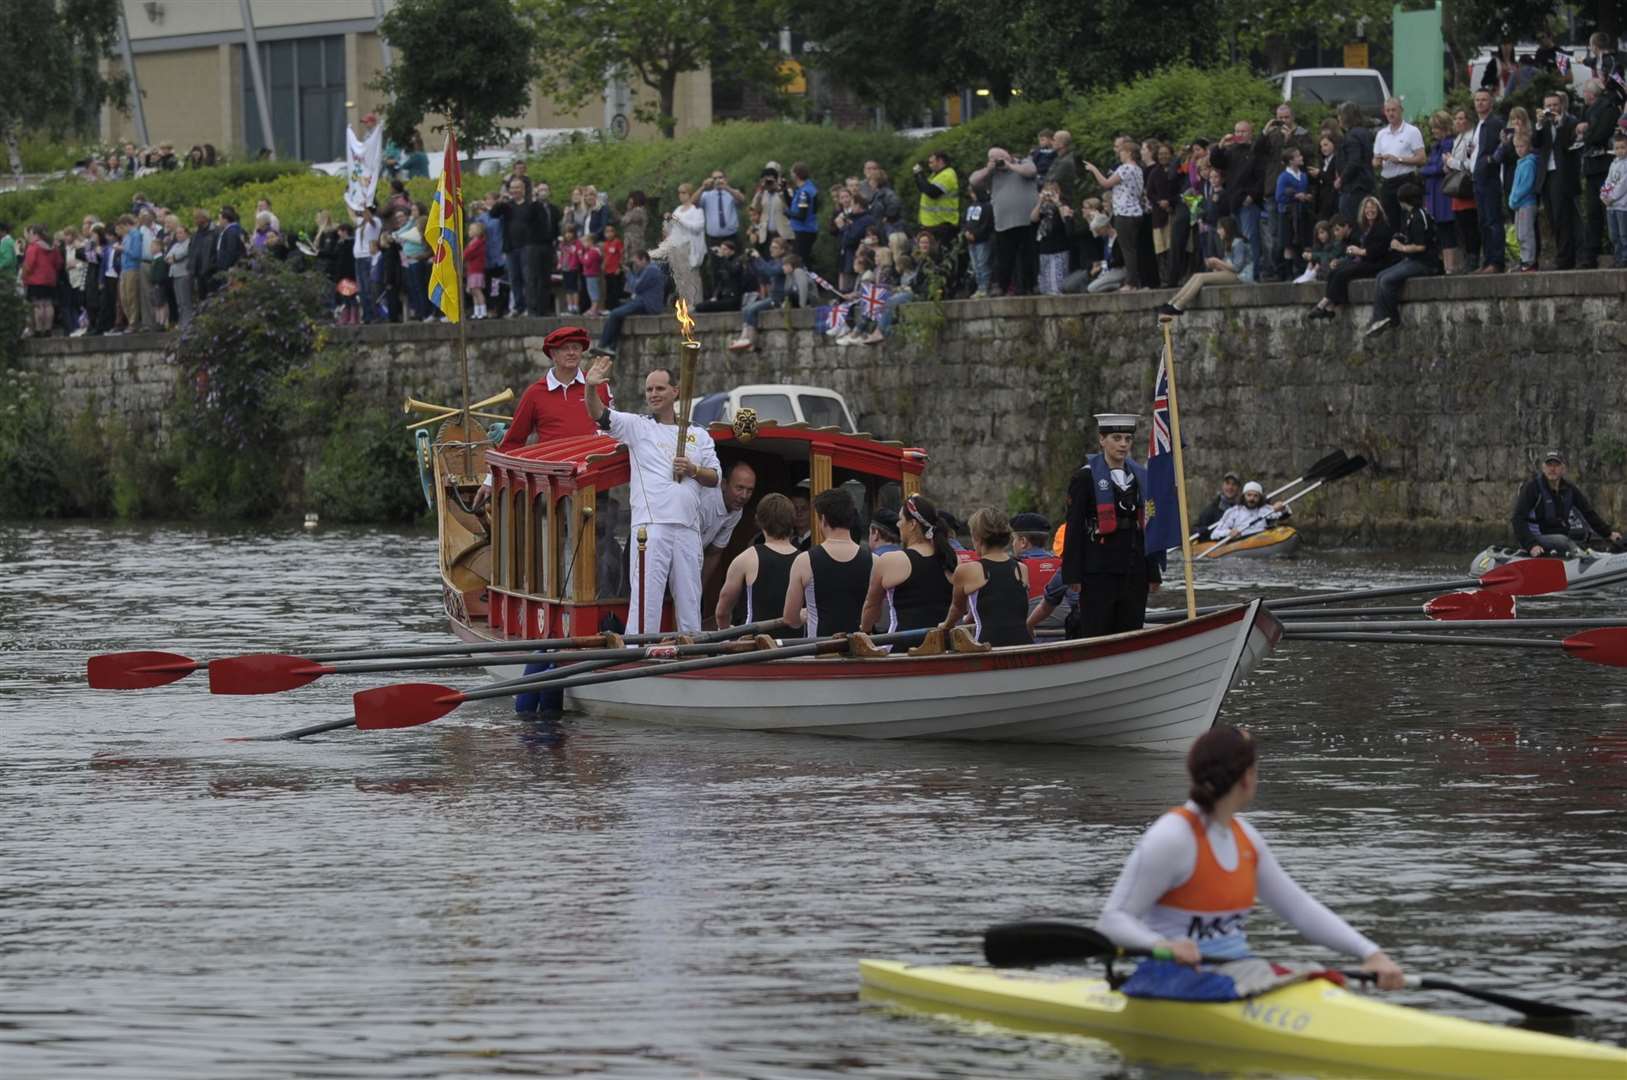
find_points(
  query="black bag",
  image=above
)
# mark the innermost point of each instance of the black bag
(1457, 184)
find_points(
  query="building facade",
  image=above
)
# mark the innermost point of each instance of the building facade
(317, 59)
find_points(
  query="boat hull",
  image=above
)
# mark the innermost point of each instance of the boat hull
(1313, 1021)
(1155, 689)
(1593, 565)
(1270, 544)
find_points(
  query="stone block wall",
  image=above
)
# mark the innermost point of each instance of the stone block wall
(1451, 408)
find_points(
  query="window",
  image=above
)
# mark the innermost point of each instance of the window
(775, 407)
(1364, 90)
(305, 80)
(540, 574)
(821, 411)
(612, 520)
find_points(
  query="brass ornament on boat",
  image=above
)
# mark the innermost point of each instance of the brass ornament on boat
(745, 425)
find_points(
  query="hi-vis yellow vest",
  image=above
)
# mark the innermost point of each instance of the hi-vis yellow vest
(945, 209)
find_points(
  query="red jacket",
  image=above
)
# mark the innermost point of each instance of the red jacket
(40, 265)
(474, 256)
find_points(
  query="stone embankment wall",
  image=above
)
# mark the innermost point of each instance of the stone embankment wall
(1451, 408)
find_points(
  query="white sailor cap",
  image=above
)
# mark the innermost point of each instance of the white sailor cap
(1109, 423)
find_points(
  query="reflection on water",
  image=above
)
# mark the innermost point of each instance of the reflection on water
(487, 896)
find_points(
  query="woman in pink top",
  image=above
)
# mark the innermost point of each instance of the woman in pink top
(570, 267)
(592, 264)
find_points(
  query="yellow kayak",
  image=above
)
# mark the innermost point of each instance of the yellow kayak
(1315, 1022)
(1281, 540)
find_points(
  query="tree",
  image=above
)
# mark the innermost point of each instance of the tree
(56, 85)
(584, 42)
(471, 61)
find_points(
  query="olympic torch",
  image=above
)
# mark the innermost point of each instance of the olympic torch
(686, 376)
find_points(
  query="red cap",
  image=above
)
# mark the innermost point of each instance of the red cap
(565, 335)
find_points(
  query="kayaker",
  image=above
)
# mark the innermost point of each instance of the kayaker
(754, 587)
(1250, 516)
(910, 589)
(1105, 550)
(1194, 876)
(551, 407)
(1545, 508)
(829, 580)
(993, 588)
(1231, 490)
(665, 492)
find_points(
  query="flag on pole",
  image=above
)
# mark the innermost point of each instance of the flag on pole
(1163, 509)
(445, 235)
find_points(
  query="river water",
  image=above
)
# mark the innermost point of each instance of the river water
(488, 897)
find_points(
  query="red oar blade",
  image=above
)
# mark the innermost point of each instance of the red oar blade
(1526, 577)
(1471, 605)
(1607, 645)
(138, 670)
(404, 705)
(262, 673)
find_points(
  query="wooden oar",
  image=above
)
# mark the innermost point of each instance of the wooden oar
(270, 673)
(1037, 942)
(146, 669)
(1606, 646)
(1528, 577)
(1315, 472)
(1449, 608)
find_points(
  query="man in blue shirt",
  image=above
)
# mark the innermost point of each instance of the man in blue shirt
(647, 289)
(803, 213)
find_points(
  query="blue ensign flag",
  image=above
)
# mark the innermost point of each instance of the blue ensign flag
(1163, 509)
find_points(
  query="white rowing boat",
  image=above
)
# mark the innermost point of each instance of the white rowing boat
(1589, 566)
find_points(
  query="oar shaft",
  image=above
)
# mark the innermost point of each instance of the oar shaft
(784, 652)
(1297, 628)
(1313, 599)
(1315, 613)
(566, 656)
(1431, 639)
(766, 627)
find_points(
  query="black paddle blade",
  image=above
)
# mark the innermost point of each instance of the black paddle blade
(1346, 467)
(1538, 1010)
(1035, 942)
(1324, 466)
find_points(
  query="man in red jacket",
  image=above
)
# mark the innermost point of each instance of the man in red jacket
(552, 407)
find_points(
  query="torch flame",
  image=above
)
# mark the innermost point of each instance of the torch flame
(685, 324)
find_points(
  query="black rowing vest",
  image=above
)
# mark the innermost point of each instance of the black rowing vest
(922, 599)
(765, 598)
(1000, 607)
(835, 599)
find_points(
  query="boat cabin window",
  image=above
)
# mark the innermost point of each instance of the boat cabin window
(613, 518)
(499, 541)
(540, 577)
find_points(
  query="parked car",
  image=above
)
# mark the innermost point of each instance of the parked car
(784, 404)
(1331, 86)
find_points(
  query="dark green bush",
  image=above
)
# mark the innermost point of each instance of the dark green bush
(367, 471)
(1178, 103)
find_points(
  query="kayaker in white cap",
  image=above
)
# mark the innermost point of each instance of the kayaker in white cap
(1195, 875)
(1249, 516)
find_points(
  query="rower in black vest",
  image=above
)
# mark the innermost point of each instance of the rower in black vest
(1106, 546)
(910, 589)
(754, 586)
(828, 581)
(994, 588)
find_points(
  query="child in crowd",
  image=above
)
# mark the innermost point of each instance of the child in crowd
(1052, 239)
(474, 268)
(614, 280)
(570, 265)
(1325, 248)
(591, 261)
(1522, 199)
(1043, 154)
(1614, 194)
(1293, 197)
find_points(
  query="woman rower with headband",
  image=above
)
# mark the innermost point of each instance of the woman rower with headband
(993, 587)
(1194, 876)
(913, 583)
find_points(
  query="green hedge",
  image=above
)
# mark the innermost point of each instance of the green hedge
(66, 202)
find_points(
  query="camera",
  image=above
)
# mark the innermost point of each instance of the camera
(1002, 165)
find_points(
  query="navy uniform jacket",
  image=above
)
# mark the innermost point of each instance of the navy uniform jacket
(1123, 552)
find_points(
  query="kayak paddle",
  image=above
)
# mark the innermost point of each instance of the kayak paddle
(1035, 942)
(1338, 472)
(1314, 472)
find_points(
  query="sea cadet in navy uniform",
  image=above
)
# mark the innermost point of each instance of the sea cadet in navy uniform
(665, 491)
(1104, 557)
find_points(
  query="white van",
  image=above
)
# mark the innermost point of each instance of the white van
(1332, 86)
(782, 403)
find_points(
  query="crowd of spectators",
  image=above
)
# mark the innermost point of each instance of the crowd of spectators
(1359, 198)
(129, 161)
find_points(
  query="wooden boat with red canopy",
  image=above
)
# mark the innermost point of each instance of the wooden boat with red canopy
(549, 558)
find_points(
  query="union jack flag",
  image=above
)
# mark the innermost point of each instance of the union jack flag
(822, 283)
(1163, 514)
(874, 299)
(831, 318)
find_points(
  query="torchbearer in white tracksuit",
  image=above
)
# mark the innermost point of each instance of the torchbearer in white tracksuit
(665, 489)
